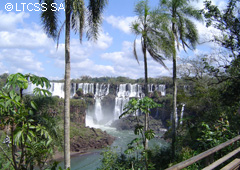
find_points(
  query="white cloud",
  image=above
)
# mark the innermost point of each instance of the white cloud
(28, 49)
(114, 56)
(121, 23)
(125, 64)
(200, 5)
(80, 52)
(88, 67)
(10, 20)
(103, 42)
(15, 34)
(20, 60)
(24, 38)
(3, 69)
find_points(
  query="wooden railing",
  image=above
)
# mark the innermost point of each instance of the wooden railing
(208, 155)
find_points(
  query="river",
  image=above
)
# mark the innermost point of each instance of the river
(92, 160)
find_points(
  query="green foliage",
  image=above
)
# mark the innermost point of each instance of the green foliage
(30, 142)
(227, 21)
(213, 135)
(110, 160)
(185, 154)
(136, 151)
(144, 105)
(134, 157)
(21, 82)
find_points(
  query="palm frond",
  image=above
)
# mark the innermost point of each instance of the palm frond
(161, 41)
(141, 8)
(78, 17)
(191, 33)
(134, 51)
(181, 30)
(157, 57)
(95, 9)
(142, 44)
(135, 28)
(49, 18)
(192, 12)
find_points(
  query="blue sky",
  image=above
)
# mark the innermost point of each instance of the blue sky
(25, 48)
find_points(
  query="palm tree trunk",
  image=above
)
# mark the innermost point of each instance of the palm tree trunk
(146, 92)
(67, 88)
(174, 104)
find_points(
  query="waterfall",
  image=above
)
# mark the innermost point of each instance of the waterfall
(29, 90)
(150, 88)
(176, 120)
(86, 87)
(124, 93)
(162, 88)
(182, 112)
(57, 89)
(99, 114)
(98, 110)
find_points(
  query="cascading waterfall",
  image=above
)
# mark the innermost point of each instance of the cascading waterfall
(98, 110)
(125, 92)
(182, 112)
(96, 115)
(99, 92)
(161, 88)
(176, 120)
(57, 89)
(29, 90)
(86, 87)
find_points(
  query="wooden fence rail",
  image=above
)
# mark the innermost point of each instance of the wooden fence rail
(206, 154)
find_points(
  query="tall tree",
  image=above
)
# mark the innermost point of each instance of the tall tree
(185, 34)
(74, 18)
(153, 40)
(228, 22)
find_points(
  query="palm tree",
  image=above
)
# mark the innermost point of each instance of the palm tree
(153, 40)
(74, 18)
(185, 34)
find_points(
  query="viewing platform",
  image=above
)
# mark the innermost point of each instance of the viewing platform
(208, 157)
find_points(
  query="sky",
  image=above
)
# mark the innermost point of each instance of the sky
(25, 48)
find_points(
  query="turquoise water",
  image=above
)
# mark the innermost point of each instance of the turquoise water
(93, 160)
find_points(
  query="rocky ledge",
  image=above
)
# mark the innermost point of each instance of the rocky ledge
(84, 139)
(129, 123)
